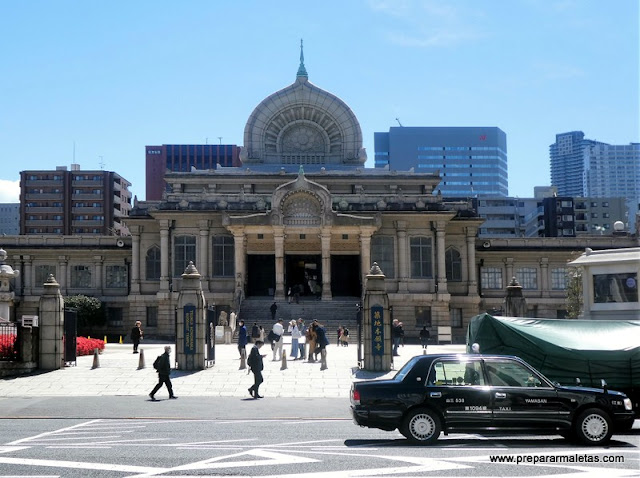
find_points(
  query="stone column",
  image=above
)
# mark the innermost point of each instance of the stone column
(239, 257)
(376, 322)
(135, 259)
(164, 255)
(191, 322)
(51, 322)
(28, 275)
(544, 277)
(97, 262)
(203, 262)
(508, 262)
(441, 258)
(325, 240)
(64, 274)
(365, 255)
(278, 238)
(472, 280)
(403, 256)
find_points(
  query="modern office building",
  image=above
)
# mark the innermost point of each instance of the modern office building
(184, 157)
(9, 219)
(586, 168)
(472, 161)
(73, 202)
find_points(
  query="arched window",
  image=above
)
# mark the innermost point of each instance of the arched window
(453, 265)
(153, 263)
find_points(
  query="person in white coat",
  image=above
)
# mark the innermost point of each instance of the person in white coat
(278, 329)
(295, 338)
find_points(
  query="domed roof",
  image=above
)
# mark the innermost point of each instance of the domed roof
(302, 124)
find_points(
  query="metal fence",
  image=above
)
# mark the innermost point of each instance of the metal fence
(9, 342)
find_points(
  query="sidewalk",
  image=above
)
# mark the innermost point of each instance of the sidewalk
(118, 374)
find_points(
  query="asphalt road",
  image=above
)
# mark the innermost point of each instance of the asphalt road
(192, 436)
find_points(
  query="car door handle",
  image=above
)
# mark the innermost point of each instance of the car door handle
(435, 394)
(501, 395)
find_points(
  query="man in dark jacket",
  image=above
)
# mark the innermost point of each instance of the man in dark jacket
(255, 364)
(136, 336)
(273, 309)
(242, 339)
(163, 367)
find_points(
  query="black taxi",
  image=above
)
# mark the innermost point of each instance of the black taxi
(466, 393)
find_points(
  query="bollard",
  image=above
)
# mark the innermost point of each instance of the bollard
(141, 360)
(105, 339)
(121, 340)
(243, 359)
(284, 360)
(323, 358)
(424, 351)
(96, 360)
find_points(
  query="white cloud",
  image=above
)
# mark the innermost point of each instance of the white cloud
(9, 191)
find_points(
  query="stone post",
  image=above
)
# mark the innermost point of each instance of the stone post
(376, 323)
(515, 304)
(191, 322)
(51, 321)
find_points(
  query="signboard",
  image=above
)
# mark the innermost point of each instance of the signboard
(189, 329)
(377, 330)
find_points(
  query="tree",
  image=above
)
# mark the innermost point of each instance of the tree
(574, 299)
(89, 309)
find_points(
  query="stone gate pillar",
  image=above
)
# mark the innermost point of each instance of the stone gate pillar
(51, 321)
(6, 294)
(376, 322)
(191, 322)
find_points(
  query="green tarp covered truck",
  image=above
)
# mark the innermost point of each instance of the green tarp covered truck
(563, 350)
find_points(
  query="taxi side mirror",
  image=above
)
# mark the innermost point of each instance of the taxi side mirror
(418, 379)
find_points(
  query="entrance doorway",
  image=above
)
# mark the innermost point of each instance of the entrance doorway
(261, 275)
(303, 272)
(345, 276)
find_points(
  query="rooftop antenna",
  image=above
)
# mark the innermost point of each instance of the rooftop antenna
(398, 120)
(206, 140)
(220, 138)
(101, 163)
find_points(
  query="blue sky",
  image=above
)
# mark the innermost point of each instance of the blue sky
(115, 76)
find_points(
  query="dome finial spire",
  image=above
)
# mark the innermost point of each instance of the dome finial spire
(302, 71)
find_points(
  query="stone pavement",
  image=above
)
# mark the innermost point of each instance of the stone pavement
(118, 374)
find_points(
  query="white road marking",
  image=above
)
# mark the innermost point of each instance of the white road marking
(81, 465)
(17, 442)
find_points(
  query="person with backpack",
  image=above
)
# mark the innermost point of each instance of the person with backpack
(163, 367)
(255, 364)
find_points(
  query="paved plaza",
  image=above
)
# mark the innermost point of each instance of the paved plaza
(118, 374)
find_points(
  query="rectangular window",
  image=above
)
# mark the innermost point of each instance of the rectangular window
(528, 277)
(80, 277)
(152, 316)
(456, 317)
(184, 251)
(116, 277)
(223, 256)
(114, 316)
(421, 263)
(423, 316)
(42, 273)
(559, 278)
(382, 253)
(491, 277)
(615, 287)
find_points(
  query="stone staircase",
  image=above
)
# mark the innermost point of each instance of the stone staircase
(332, 314)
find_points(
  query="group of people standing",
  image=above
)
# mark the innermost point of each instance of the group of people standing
(343, 336)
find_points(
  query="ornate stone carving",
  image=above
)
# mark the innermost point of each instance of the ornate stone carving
(302, 138)
(301, 209)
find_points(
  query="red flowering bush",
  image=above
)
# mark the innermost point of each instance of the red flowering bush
(8, 348)
(85, 346)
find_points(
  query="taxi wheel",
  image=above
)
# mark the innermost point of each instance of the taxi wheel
(421, 427)
(593, 427)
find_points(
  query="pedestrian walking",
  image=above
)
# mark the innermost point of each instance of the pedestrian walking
(339, 333)
(289, 295)
(396, 333)
(255, 364)
(136, 335)
(273, 309)
(424, 337)
(163, 367)
(344, 338)
(255, 332)
(322, 340)
(295, 339)
(275, 337)
(242, 339)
